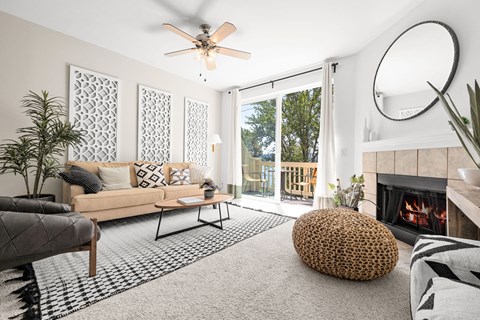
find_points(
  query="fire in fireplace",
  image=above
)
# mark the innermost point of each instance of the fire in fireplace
(410, 206)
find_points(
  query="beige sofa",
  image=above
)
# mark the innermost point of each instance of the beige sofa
(108, 205)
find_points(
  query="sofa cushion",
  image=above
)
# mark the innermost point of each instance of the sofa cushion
(150, 175)
(179, 177)
(115, 178)
(449, 299)
(105, 200)
(174, 192)
(90, 182)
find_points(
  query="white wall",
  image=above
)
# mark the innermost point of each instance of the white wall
(35, 58)
(461, 16)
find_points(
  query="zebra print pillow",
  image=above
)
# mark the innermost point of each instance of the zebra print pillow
(439, 256)
(449, 299)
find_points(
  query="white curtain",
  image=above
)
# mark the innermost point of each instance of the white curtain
(326, 144)
(234, 156)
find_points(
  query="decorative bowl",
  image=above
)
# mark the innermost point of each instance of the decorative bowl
(470, 176)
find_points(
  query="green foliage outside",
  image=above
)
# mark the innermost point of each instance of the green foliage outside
(300, 127)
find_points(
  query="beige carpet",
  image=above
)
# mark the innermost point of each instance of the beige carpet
(259, 278)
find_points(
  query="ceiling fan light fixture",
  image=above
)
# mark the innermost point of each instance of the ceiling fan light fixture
(206, 45)
(199, 55)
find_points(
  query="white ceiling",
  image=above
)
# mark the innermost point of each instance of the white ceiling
(282, 35)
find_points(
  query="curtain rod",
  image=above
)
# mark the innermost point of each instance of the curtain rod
(334, 65)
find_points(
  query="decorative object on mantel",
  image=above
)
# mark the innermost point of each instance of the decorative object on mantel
(469, 140)
(210, 186)
(366, 132)
(351, 196)
(470, 176)
(39, 147)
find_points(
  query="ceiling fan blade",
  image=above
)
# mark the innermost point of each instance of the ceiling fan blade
(179, 52)
(224, 31)
(233, 53)
(211, 65)
(181, 33)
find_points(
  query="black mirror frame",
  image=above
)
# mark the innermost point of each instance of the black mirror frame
(456, 49)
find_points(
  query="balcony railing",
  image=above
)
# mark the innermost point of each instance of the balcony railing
(294, 172)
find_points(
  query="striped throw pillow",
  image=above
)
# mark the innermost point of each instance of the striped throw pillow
(90, 182)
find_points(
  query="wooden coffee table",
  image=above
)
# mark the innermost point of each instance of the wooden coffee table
(173, 204)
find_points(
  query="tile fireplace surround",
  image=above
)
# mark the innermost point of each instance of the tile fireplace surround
(434, 162)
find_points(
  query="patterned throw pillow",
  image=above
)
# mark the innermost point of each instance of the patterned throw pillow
(90, 182)
(150, 175)
(179, 177)
(449, 299)
(199, 173)
(440, 256)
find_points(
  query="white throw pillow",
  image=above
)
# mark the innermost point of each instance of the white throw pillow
(199, 173)
(115, 178)
(150, 175)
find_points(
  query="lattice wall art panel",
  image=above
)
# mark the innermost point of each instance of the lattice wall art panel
(94, 109)
(196, 131)
(153, 124)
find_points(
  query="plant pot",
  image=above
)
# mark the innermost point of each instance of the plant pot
(43, 197)
(470, 176)
(208, 194)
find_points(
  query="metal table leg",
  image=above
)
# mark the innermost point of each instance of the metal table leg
(204, 223)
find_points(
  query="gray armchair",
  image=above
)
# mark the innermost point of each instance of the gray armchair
(31, 230)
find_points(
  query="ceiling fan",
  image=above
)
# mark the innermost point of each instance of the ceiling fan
(206, 44)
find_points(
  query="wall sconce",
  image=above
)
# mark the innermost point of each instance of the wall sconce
(215, 139)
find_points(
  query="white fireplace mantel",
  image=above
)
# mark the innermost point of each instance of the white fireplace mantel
(408, 143)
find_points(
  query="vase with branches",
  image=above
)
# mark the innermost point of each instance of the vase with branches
(35, 154)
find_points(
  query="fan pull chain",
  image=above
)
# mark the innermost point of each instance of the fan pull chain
(202, 73)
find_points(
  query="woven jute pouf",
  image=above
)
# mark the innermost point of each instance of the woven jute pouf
(345, 244)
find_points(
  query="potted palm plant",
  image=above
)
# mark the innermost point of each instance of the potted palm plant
(470, 139)
(35, 154)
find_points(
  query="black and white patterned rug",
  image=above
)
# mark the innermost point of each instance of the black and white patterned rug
(128, 255)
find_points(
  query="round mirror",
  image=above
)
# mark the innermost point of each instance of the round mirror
(428, 51)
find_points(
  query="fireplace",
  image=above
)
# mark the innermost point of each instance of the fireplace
(410, 205)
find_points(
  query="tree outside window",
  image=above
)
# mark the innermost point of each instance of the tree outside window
(300, 127)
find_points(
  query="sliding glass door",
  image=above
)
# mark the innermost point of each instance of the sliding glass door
(299, 139)
(280, 145)
(258, 147)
